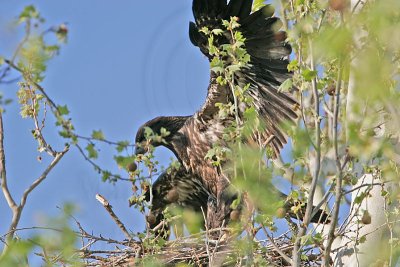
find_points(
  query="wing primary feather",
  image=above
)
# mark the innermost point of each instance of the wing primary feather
(238, 8)
(194, 34)
(266, 71)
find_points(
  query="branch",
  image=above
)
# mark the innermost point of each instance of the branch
(315, 175)
(98, 168)
(339, 180)
(4, 186)
(109, 209)
(90, 139)
(18, 210)
(56, 159)
(277, 249)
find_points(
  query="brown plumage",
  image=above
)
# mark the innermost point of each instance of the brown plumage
(175, 187)
(184, 189)
(191, 137)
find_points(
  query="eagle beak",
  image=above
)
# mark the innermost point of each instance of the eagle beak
(139, 150)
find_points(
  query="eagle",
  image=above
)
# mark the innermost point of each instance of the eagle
(191, 137)
(179, 187)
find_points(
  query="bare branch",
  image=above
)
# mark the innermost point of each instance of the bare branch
(4, 186)
(18, 211)
(109, 209)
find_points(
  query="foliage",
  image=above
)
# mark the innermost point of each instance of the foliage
(346, 66)
(57, 245)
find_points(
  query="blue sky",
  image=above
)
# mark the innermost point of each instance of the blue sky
(125, 63)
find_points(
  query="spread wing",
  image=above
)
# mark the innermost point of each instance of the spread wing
(265, 72)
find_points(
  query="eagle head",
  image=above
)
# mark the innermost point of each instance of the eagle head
(170, 123)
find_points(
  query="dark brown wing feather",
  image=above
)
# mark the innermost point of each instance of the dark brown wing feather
(267, 68)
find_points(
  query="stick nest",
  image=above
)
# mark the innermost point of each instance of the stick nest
(203, 249)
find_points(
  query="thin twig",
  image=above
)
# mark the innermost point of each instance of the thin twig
(4, 186)
(17, 213)
(271, 240)
(98, 168)
(109, 209)
(339, 180)
(210, 258)
(315, 175)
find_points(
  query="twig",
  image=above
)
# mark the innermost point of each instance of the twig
(98, 168)
(210, 258)
(339, 180)
(353, 10)
(277, 249)
(4, 186)
(18, 211)
(315, 176)
(109, 209)
(90, 139)
(364, 185)
(56, 159)
(268, 141)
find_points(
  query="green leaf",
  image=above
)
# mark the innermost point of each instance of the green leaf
(217, 31)
(221, 80)
(63, 110)
(122, 145)
(148, 132)
(286, 85)
(92, 152)
(105, 175)
(309, 75)
(123, 162)
(362, 239)
(29, 12)
(65, 134)
(257, 5)
(1, 60)
(164, 132)
(217, 65)
(304, 257)
(235, 204)
(293, 65)
(34, 58)
(359, 198)
(205, 30)
(98, 135)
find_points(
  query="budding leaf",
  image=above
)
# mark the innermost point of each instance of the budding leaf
(122, 145)
(98, 135)
(309, 75)
(63, 110)
(92, 151)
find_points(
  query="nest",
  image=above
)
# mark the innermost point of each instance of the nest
(214, 247)
(204, 249)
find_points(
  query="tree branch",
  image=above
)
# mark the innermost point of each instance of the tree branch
(315, 175)
(4, 186)
(109, 209)
(18, 210)
(339, 179)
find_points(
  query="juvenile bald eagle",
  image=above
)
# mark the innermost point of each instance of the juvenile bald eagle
(183, 188)
(191, 137)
